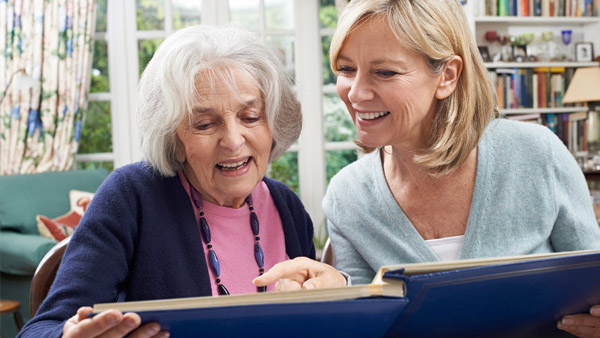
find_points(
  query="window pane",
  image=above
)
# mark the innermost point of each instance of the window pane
(279, 14)
(328, 13)
(146, 49)
(337, 159)
(284, 46)
(100, 83)
(244, 13)
(150, 14)
(186, 13)
(285, 169)
(338, 125)
(96, 135)
(96, 165)
(328, 76)
(101, 16)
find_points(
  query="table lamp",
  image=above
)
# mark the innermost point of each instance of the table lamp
(23, 82)
(585, 88)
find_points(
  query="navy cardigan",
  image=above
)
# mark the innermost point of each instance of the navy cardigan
(139, 240)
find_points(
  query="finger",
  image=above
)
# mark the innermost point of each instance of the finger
(292, 269)
(94, 326)
(326, 279)
(581, 320)
(84, 312)
(287, 285)
(129, 322)
(147, 330)
(580, 331)
(582, 325)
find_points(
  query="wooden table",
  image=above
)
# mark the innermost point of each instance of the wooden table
(12, 306)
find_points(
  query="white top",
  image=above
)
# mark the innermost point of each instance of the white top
(446, 248)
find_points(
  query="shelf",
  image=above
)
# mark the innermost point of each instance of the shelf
(538, 20)
(518, 111)
(540, 64)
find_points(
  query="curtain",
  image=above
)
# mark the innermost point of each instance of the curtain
(50, 41)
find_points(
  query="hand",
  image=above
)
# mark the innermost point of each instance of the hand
(301, 273)
(582, 325)
(110, 323)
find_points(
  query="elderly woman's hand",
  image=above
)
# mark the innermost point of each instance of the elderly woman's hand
(582, 325)
(110, 323)
(301, 273)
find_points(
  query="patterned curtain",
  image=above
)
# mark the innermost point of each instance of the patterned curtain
(50, 41)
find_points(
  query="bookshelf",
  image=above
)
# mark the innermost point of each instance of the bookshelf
(544, 30)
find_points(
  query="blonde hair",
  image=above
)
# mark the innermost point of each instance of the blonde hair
(210, 54)
(437, 30)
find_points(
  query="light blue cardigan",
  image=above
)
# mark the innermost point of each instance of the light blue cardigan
(530, 197)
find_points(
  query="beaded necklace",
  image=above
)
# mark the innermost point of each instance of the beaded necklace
(213, 259)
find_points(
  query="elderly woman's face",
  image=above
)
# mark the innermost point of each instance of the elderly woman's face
(225, 150)
(387, 88)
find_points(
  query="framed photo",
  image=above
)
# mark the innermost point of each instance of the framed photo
(485, 53)
(584, 51)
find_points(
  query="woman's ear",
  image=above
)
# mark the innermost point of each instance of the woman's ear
(180, 151)
(449, 78)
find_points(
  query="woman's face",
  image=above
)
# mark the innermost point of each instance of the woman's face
(225, 147)
(388, 89)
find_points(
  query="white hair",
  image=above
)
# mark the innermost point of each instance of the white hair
(167, 88)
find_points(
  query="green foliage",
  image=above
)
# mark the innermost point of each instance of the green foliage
(100, 83)
(338, 159)
(285, 169)
(146, 49)
(150, 14)
(96, 165)
(101, 15)
(96, 136)
(337, 122)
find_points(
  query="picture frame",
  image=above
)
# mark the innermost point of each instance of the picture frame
(485, 53)
(584, 51)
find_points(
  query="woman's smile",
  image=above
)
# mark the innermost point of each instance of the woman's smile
(233, 168)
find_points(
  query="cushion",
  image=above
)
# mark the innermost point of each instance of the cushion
(22, 197)
(21, 253)
(63, 226)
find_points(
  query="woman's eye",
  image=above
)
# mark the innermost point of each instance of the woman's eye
(203, 126)
(386, 73)
(345, 69)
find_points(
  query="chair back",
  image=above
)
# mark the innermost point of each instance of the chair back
(327, 256)
(44, 275)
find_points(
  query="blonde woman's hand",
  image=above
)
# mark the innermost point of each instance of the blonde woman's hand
(110, 323)
(582, 325)
(301, 273)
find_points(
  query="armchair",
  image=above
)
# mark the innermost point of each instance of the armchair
(22, 198)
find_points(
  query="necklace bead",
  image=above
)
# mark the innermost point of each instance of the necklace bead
(206, 238)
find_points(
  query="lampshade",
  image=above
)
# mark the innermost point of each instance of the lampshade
(22, 82)
(584, 87)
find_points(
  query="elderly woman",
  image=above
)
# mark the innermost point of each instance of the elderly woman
(443, 179)
(197, 217)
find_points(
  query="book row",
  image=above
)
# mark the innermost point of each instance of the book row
(576, 130)
(558, 8)
(531, 87)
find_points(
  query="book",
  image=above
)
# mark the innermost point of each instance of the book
(493, 297)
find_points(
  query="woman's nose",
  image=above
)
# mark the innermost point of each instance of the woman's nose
(360, 90)
(232, 138)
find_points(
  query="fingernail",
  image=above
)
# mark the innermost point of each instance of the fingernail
(309, 286)
(568, 321)
(165, 334)
(595, 311)
(112, 320)
(153, 329)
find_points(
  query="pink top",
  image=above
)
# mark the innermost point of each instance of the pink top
(233, 241)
